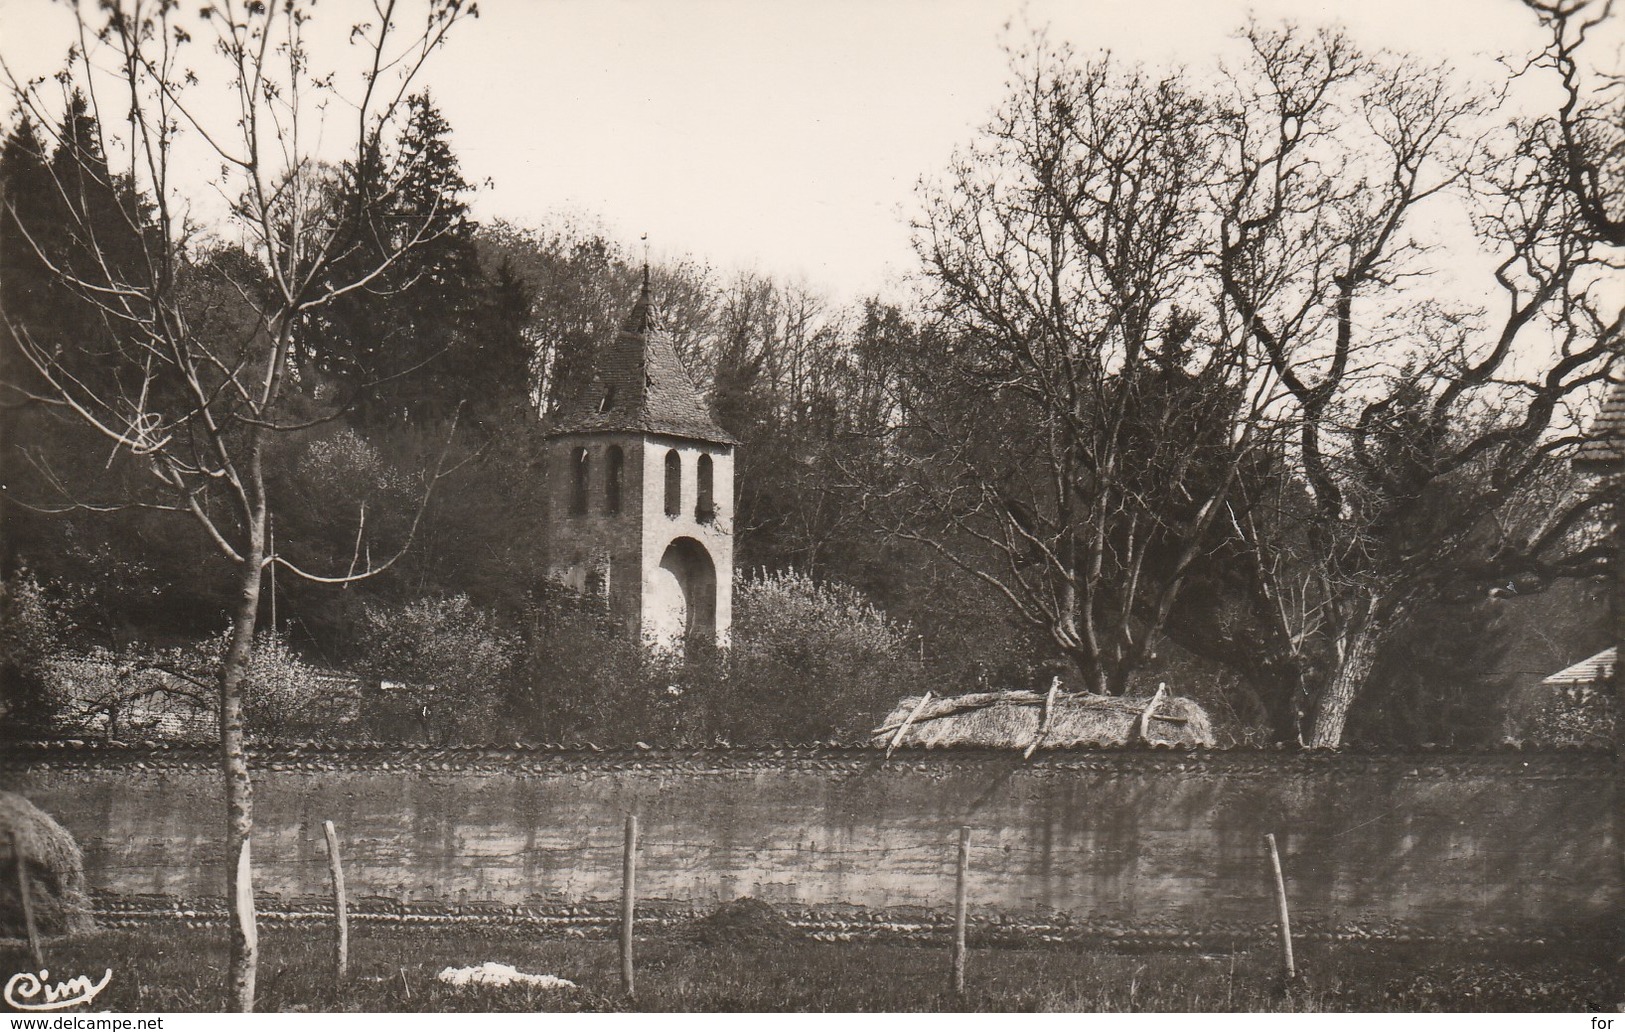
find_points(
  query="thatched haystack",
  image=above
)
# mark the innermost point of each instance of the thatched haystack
(56, 875)
(1013, 720)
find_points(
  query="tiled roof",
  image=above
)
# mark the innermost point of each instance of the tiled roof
(1595, 670)
(637, 383)
(1605, 438)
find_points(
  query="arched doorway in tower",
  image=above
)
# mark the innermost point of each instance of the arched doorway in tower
(681, 607)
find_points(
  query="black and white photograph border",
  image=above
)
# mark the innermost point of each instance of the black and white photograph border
(880, 508)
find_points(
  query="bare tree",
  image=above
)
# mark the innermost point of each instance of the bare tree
(192, 371)
(1196, 336)
(1591, 167)
(783, 379)
(1080, 420)
(1590, 120)
(1417, 425)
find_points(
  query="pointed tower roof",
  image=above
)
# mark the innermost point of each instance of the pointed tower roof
(636, 382)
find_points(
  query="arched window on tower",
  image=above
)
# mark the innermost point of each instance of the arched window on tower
(580, 471)
(705, 505)
(614, 468)
(674, 483)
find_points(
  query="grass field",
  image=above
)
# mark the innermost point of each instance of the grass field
(176, 969)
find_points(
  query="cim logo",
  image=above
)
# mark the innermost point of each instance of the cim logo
(27, 991)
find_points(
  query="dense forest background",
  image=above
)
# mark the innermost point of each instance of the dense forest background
(898, 522)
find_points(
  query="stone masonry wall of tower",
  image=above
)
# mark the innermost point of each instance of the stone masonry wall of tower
(628, 519)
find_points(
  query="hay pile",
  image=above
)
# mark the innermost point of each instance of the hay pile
(743, 922)
(55, 867)
(1011, 720)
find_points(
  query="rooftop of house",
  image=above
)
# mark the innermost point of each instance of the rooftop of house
(1605, 437)
(1592, 670)
(636, 383)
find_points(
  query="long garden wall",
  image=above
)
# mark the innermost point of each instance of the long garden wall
(1132, 844)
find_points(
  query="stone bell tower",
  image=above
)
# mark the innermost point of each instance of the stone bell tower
(640, 497)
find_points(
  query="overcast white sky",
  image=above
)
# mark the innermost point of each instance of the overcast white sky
(788, 135)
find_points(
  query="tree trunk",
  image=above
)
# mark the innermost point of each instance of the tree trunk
(243, 932)
(1283, 705)
(1332, 708)
(1618, 679)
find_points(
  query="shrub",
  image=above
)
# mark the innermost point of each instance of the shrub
(809, 662)
(32, 628)
(584, 681)
(812, 661)
(171, 693)
(448, 660)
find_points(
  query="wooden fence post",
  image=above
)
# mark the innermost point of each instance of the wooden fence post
(629, 875)
(341, 909)
(25, 896)
(1288, 969)
(960, 895)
